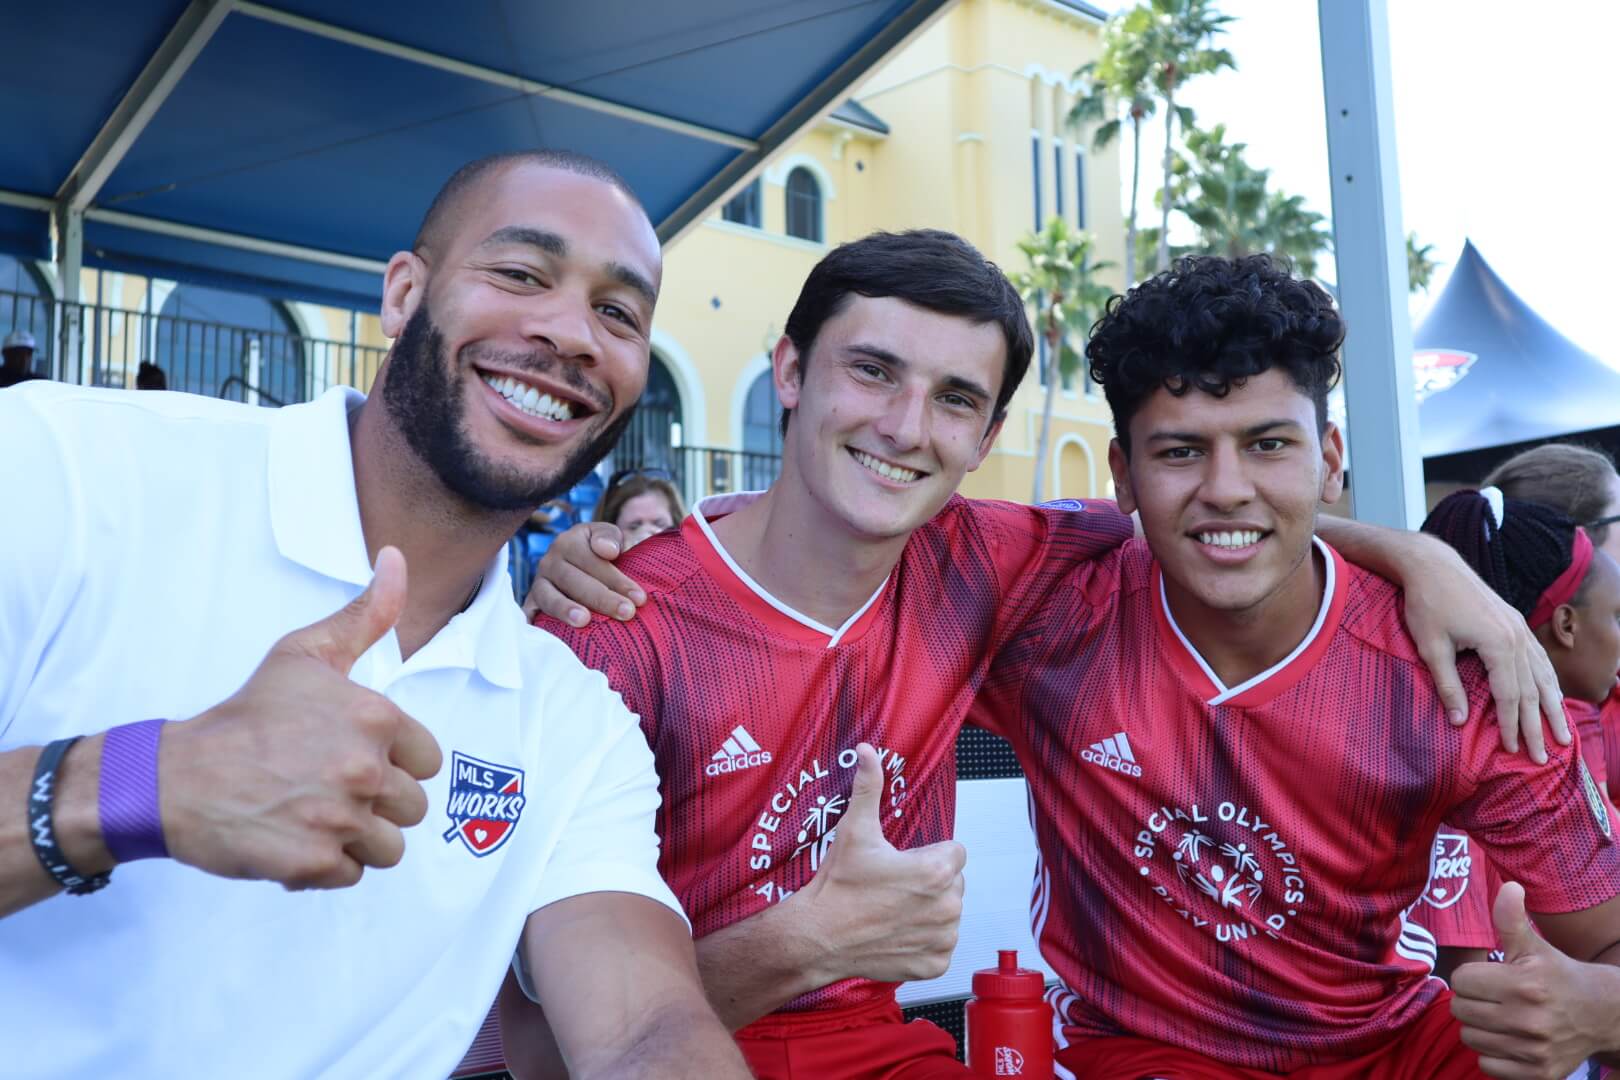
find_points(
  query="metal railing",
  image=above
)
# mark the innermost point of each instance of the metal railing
(266, 367)
(699, 471)
(652, 440)
(272, 368)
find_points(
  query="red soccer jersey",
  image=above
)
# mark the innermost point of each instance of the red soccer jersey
(1599, 727)
(1230, 869)
(753, 711)
(1611, 739)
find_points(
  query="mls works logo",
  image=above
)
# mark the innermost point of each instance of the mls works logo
(1452, 866)
(1009, 1062)
(486, 801)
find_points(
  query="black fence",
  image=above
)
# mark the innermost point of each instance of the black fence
(108, 346)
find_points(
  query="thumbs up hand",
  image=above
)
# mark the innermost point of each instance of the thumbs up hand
(882, 913)
(1539, 1013)
(302, 777)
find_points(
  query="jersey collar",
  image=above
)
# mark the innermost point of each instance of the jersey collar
(1280, 676)
(315, 518)
(775, 614)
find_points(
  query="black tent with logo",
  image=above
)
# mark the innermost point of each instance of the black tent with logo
(1494, 377)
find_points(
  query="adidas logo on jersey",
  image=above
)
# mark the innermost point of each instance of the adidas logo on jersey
(1114, 753)
(739, 752)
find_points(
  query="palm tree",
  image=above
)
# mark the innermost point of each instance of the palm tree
(1061, 286)
(1236, 211)
(1420, 264)
(1120, 79)
(1176, 40)
(1220, 192)
(1294, 232)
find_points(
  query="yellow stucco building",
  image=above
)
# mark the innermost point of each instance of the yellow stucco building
(963, 129)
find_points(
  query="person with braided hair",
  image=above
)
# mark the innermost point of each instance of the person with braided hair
(1582, 482)
(1552, 572)
(1549, 568)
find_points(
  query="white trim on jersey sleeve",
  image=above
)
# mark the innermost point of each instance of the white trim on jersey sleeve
(1227, 694)
(737, 500)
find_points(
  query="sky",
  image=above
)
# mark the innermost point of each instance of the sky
(1500, 137)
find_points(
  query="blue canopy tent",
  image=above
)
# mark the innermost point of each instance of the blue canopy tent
(1494, 376)
(288, 150)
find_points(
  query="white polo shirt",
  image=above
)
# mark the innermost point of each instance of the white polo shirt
(154, 546)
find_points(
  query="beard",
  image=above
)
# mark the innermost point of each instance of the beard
(427, 403)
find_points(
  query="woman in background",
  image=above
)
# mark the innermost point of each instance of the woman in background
(1549, 569)
(1581, 483)
(641, 503)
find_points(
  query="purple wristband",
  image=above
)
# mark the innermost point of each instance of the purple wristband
(131, 825)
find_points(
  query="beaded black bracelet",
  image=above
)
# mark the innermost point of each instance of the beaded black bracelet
(42, 825)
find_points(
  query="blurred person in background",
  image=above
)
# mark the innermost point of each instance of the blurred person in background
(19, 359)
(639, 502)
(642, 503)
(150, 377)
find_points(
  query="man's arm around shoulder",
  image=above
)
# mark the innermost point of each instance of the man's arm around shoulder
(617, 978)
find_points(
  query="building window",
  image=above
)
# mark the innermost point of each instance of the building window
(1035, 161)
(1080, 188)
(762, 434)
(1057, 177)
(803, 205)
(743, 207)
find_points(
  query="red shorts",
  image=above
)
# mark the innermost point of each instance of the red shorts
(867, 1042)
(1430, 1049)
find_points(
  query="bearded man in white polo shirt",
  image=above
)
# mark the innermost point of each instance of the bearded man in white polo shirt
(175, 558)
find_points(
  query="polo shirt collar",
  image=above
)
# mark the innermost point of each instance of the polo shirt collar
(315, 519)
(314, 508)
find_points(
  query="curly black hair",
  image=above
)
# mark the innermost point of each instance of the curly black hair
(1211, 322)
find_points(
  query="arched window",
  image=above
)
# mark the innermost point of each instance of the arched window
(229, 344)
(743, 207)
(803, 205)
(762, 434)
(653, 434)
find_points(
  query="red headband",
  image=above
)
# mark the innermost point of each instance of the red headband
(1563, 590)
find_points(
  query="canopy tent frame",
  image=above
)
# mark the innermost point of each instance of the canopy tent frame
(75, 199)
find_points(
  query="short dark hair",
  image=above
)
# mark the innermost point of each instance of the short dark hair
(930, 268)
(1571, 478)
(1211, 323)
(1521, 557)
(471, 174)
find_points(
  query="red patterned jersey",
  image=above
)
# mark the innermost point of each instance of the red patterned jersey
(1599, 727)
(1611, 740)
(753, 711)
(1229, 869)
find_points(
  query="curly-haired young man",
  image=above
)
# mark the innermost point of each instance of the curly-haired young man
(1237, 763)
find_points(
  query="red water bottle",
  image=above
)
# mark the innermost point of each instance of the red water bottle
(1009, 1023)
